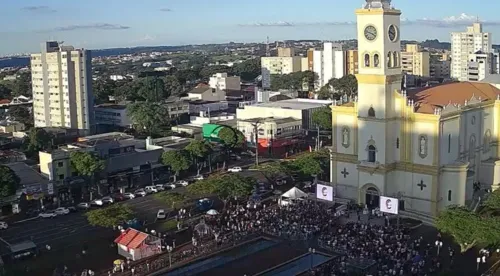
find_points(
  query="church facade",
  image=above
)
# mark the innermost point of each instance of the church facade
(426, 147)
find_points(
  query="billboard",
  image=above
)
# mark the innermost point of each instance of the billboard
(324, 192)
(389, 205)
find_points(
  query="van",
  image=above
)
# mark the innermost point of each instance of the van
(151, 189)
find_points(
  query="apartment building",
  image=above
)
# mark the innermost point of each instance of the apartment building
(222, 81)
(286, 52)
(464, 44)
(415, 62)
(481, 65)
(351, 65)
(278, 66)
(62, 87)
(329, 63)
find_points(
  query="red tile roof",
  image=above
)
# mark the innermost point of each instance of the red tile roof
(455, 93)
(131, 238)
(4, 101)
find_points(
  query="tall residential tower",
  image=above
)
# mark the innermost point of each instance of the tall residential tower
(62, 87)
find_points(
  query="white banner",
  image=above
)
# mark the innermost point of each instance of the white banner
(324, 192)
(389, 205)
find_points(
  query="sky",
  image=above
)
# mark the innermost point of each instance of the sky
(97, 24)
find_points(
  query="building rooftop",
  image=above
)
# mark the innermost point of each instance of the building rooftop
(296, 104)
(110, 136)
(200, 89)
(272, 119)
(112, 106)
(27, 174)
(457, 93)
(493, 78)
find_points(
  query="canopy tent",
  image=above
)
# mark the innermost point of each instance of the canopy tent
(292, 194)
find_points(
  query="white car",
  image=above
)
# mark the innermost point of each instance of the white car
(140, 192)
(61, 211)
(3, 225)
(47, 215)
(161, 214)
(129, 195)
(199, 177)
(170, 185)
(83, 205)
(234, 169)
(183, 183)
(97, 202)
(160, 187)
(107, 200)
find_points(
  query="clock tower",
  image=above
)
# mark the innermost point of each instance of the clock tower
(379, 50)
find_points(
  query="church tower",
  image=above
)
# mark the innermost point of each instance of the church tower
(379, 49)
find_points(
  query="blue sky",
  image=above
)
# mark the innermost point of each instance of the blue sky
(97, 24)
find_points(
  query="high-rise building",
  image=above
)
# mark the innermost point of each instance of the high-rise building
(464, 44)
(351, 64)
(62, 87)
(310, 59)
(329, 63)
(415, 62)
(286, 52)
(481, 65)
(278, 66)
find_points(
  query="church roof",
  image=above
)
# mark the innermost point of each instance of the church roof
(457, 93)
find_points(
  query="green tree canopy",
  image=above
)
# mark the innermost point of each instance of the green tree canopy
(172, 199)
(225, 186)
(20, 114)
(273, 170)
(38, 139)
(323, 118)
(199, 150)
(152, 89)
(177, 160)
(5, 90)
(151, 117)
(294, 81)
(173, 86)
(86, 163)
(110, 216)
(22, 85)
(462, 224)
(231, 138)
(247, 70)
(311, 163)
(9, 182)
(103, 88)
(209, 71)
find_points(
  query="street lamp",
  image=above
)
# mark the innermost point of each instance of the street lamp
(439, 244)
(170, 249)
(312, 251)
(478, 261)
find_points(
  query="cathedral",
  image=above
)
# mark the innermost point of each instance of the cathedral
(428, 147)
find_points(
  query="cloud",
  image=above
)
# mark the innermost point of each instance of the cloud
(447, 22)
(38, 9)
(96, 26)
(148, 38)
(165, 10)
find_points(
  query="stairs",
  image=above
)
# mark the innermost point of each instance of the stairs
(425, 218)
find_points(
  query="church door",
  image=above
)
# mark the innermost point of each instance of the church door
(372, 198)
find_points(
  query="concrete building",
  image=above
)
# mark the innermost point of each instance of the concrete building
(62, 87)
(222, 81)
(329, 63)
(310, 59)
(440, 69)
(286, 52)
(415, 62)
(305, 64)
(464, 44)
(112, 114)
(206, 93)
(481, 65)
(278, 66)
(352, 63)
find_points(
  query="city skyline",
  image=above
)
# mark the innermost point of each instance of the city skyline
(109, 24)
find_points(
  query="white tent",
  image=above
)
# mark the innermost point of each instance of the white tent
(292, 194)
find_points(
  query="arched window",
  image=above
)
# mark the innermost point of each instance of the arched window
(472, 147)
(371, 112)
(486, 141)
(389, 60)
(376, 60)
(395, 62)
(449, 143)
(449, 195)
(367, 60)
(372, 153)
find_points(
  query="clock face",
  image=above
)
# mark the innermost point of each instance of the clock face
(370, 33)
(393, 33)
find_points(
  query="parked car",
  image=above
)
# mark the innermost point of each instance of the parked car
(160, 187)
(61, 211)
(107, 200)
(151, 189)
(3, 225)
(47, 215)
(234, 169)
(161, 214)
(83, 205)
(170, 185)
(118, 197)
(97, 202)
(199, 177)
(182, 183)
(235, 157)
(140, 192)
(72, 209)
(129, 195)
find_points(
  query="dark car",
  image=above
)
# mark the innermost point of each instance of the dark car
(72, 209)
(118, 197)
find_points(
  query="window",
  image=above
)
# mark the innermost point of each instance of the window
(395, 62)
(449, 195)
(397, 143)
(372, 153)
(376, 60)
(449, 143)
(371, 112)
(389, 60)
(61, 177)
(59, 164)
(367, 60)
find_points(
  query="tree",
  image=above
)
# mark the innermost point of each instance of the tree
(233, 186)
(348, 85)
(38, 140)
(20, 114)
(110, 216)
(152, 89)
(172, 199)
(231, 137)
(273, 170)
(22, 85)
(493, 201)
(323, 118)
(187, 75)
(247, 70)
(209, 71)
(461, 223)
(5, 91)
(9, 182)
(173, 86)
(103, 88)
(177, 161)
(148, 116)
(199, 151)
(87, 164)
(203, 188)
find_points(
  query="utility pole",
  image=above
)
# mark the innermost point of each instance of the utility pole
(317, 139)
(256, 134)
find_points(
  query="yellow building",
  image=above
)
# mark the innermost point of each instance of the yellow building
(286, 52)
(278, 66)
(415, 62)
(56, 164)
(352, 62)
